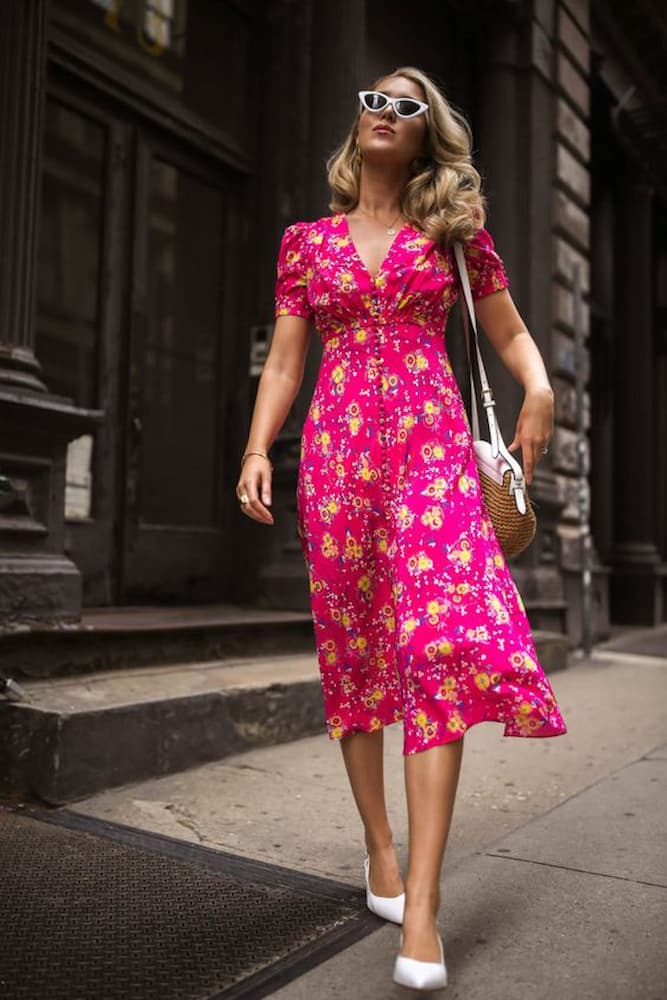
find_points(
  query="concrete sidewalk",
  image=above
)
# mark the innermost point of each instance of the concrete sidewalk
(555, 875)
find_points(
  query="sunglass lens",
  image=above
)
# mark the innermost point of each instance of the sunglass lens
(406, 108)
(375, 101)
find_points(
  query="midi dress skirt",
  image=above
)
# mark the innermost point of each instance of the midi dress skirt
(416, 615)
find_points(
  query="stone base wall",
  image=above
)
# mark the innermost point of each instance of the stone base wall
(571, 247)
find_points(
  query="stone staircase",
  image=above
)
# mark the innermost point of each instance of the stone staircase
(135, 693)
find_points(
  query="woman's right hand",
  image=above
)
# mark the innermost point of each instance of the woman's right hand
(255, 481)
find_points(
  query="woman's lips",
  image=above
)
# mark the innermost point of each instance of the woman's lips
(384, 129)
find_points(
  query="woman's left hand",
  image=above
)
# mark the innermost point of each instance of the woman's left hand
(534, 428)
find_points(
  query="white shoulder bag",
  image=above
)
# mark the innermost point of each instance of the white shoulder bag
(501, 477)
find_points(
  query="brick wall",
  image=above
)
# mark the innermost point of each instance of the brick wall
(571, 243)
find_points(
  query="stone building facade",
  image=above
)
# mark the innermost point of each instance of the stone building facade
(152, 152)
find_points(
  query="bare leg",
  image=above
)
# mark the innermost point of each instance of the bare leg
(431, 780)
(363, 756)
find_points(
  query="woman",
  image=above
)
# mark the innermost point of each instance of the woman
(416, 615)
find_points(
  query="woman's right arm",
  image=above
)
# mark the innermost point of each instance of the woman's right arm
(277, 389)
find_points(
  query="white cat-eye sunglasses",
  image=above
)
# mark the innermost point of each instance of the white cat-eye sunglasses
(405, 107)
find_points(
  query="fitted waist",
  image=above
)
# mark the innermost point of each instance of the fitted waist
(366, 338)
(411, 378)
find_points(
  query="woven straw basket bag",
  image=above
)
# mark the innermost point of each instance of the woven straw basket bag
(500, 475)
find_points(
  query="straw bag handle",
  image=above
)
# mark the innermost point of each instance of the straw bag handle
(498, 446)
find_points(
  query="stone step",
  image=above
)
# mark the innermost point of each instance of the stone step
(78, 735)
(118, 638)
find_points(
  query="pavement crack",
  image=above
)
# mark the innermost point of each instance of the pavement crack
(185, 818)
(570, 868)
(253, 767)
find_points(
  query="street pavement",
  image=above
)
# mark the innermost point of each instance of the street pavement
(554, 882)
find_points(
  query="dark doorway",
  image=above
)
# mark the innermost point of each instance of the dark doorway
(172, 544)
(137, 289)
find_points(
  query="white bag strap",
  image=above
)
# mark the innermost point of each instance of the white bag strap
(498, 446)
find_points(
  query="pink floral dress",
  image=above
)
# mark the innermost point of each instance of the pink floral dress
(416, 615)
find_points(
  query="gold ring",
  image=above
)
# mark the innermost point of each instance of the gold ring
(244, 498)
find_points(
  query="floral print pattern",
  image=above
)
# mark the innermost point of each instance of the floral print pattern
(416, 615)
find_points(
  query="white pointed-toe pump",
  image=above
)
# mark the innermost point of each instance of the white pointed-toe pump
(387, 907)
(418, 975)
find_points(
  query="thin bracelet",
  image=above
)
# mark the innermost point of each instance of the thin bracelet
(261, 453)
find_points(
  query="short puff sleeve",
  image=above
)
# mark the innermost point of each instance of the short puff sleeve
(485, 268)
(293, 271)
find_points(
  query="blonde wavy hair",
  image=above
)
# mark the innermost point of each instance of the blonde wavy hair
(443, 196)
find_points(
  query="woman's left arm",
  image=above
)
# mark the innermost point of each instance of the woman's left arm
(506, 330)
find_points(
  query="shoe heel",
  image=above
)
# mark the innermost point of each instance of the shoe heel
(388, 907)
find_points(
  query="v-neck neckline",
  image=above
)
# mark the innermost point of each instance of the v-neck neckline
(373, 277)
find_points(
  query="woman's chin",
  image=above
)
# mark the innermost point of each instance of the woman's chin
(384, 152)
